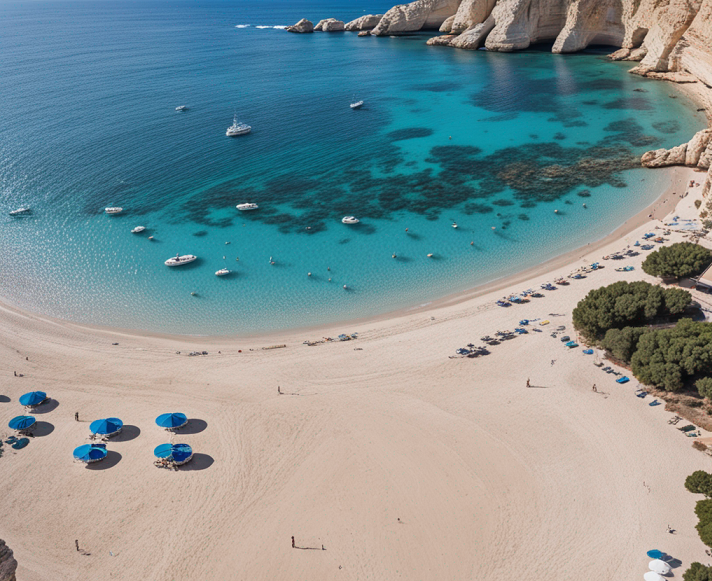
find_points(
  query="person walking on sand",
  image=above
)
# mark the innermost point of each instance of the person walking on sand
(279, 390)
(293, 545)
(76, 544)
(594, 388)
(76, 416)
(528, 384)
(15, 372)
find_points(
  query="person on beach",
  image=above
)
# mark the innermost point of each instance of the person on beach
(76, 544)
(76, 416)
(528, 384)
(594, 388)
(279, 390)
(293, 545)
(15, 372)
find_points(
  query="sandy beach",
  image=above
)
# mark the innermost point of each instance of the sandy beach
(384, 458)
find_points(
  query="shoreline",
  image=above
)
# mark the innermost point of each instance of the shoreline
(567, 261)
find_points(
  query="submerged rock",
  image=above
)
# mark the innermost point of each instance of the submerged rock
(303, 26)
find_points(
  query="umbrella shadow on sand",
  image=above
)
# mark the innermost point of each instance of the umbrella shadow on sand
(4, 399)
(194, 426)
(48, 406)
(127, 433)
(111, 460)
(41, 429)
(198, 462)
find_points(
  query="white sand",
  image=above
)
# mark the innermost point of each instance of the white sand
(491, 480)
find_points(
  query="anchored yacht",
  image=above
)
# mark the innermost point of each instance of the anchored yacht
(350, 220)
(245, 207)
(237, 128)
(138, 229)
(179, 260)
(113, 210)
(356, 105)
(20, 211)
(222, 272)
(181, 108)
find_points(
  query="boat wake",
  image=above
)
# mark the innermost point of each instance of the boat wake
(242, 25)
(261, 26)
(279, 27)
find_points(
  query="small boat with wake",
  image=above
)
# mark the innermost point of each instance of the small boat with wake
(20, 212)
(112, 211)
(181, 108)
(179, 260)
(246, 207)
(356, 105)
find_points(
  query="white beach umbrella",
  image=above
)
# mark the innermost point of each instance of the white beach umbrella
(659, 567)
(653, 576)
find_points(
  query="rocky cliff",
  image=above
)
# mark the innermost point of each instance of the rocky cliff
(8, 564)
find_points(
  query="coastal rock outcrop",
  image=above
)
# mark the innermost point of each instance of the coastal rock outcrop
(690, 153)
(303, 26)
(367, 22)
(8, 564)
(418, 15)
(330, 25)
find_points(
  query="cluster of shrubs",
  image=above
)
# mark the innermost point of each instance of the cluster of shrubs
(700, 482)
(678, 260)
(625, 304)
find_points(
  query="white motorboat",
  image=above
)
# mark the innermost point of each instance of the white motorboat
(237, 128)
(20, 211)
(350, 220)
(181, 108)
(179, 260)
(138, 229)
(245, 207)
(111, 211)
(222, 272)
(356, 105)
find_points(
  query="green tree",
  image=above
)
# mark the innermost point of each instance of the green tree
(700, 482)
(623, 304)
(704, 529)
(704, 387)
(622, 343)
(703, 509)
(678, 260)
(697, 572)
(667, 357)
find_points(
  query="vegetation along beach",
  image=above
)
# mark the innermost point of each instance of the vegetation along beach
(326, 290)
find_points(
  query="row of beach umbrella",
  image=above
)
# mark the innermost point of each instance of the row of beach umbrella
(657, 567)
(29, 400)
(176, 453)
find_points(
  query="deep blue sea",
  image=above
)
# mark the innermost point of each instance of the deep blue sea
(88, 92)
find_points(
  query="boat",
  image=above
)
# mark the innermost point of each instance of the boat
(179, 260)
(356, 105)
(181, 108)
(138, 229)
(237, 128)
(244, 207)
(222, 272)
(20, 211)
(454, 224)
(350, 220)
(112, 211)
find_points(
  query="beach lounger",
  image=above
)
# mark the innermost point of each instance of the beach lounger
(624, 379)
(565, 338)
(572, 344)
(587, 351)
(688, 434)
(641, 394)
(524, 322)
(544, 322)
(654, 403)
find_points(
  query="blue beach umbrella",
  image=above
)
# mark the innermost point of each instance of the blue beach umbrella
(171, 421)
(21, 423)
(106, 427)
(178, 453)
(33, 398)
(90, 453)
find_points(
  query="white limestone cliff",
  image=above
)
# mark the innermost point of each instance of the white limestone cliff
(330, 25)
(418, 15)
(303, 26)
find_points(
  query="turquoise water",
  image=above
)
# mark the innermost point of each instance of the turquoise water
(483, 139)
